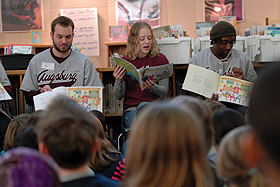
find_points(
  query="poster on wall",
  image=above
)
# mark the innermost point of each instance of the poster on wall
(131, 11)
(21, 15)
(86, 37)
(216, 8)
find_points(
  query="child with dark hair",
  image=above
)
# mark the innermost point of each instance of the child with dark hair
(224, 121)
(69, 134)
(106, 158)
(27, 137)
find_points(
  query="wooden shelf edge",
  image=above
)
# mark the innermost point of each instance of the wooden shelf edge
(15, 72)
(115, 43)
(113, 115)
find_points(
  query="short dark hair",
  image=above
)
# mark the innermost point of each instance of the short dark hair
(224, 121)
(101, 118)
(63, 21)
(27, 137)
(68, 131)
(264, 111)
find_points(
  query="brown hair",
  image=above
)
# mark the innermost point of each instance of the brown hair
(68, 131)
(166, 142)
(201, 110)
(133, 41)
(62, 21)
(15, 126)
(231, 164)
(102, 158)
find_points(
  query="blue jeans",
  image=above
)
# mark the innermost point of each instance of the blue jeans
(129, 116)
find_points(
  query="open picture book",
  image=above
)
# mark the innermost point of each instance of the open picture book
(89, 97)
(4, 94)
(155, 73)
(205, 82)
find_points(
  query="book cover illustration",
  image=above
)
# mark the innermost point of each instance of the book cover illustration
(155, 73)
(205, 82)
(118, 33)
(36, 36)
(4, 94)
(89, 97)
(234, 90)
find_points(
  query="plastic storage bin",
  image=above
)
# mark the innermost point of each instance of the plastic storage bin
(177, 50)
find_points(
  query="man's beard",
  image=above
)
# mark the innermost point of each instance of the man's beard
(64, 51)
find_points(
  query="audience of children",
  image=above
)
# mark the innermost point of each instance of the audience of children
(106, 158)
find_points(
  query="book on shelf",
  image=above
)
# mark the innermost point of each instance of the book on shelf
(4, 94)
(118, 32)
(20, 48)
(36, 36)
(154, 73)
(90, 97)
(205, 82)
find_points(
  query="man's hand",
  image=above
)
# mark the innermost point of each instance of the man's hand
(46, 88)
(118, 74)
(214, 97)
(236, 73)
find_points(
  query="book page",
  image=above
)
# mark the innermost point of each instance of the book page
(201, 81)
(41, 101)
(90, 97)
(157, 73)
(4, 94)
(130, 68)
(234, 90)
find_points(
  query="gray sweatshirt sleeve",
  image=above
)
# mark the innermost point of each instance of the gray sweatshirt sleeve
(161, 88)
(119, 90)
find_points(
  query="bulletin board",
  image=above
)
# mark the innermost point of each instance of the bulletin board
(86, 35)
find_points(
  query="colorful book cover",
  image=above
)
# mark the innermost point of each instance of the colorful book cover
(90, 97)
(118, 33)
(155, 73)
(205, 82)
(36, 36)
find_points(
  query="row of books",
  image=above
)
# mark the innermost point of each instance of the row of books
(111, 104)
(18, 48)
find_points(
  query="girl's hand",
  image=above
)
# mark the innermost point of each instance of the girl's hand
(118, 74)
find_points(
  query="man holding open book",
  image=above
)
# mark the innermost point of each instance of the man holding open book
(59, 65)
(223, 59)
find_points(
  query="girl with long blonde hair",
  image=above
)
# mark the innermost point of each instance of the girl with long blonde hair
(142, 50)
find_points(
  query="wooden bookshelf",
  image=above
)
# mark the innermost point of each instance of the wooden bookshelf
(115, 47)
(37, 48)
